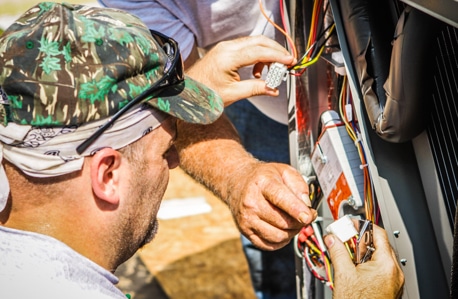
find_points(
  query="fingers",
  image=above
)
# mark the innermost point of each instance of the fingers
(273, 206)
(265, 235)
(266, 244)
(385, 254)
(219, 68)
(290, 195)
(246, 89)
(340, 257)
(381, 244)
(281, 197)
(264, 217)
(251, 50)
(257, 70)
(296, 183)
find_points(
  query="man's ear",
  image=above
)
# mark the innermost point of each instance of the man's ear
(105, 175)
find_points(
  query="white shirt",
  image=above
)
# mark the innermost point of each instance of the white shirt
(37, 266)
(208, 22)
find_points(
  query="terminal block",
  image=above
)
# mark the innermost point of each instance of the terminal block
(277, 73)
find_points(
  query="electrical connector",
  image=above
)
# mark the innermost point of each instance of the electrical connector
(364, 243)
(277, 73)
(343, 228)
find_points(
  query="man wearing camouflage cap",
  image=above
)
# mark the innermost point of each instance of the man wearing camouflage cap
(89, 104)
(269, 201)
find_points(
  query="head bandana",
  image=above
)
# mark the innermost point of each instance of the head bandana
(48, 152)
(66, 69)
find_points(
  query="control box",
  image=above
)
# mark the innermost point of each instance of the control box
(337, 165)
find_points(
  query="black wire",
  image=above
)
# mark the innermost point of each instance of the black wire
(317, 48)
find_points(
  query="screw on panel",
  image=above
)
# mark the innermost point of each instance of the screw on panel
(351, 202)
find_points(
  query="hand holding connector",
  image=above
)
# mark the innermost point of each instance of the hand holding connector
(360, 244)
(379, 277)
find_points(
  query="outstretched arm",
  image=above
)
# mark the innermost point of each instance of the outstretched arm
(269, 201)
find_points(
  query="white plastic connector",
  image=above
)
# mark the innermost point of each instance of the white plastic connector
(277, 73)
(343, 228)
(337, 57)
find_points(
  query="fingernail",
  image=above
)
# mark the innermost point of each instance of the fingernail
(304, 218)
(329, 241)
(305, 198)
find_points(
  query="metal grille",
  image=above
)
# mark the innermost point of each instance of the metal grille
(443, 128)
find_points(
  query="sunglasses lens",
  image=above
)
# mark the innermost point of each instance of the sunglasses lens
(174, 65)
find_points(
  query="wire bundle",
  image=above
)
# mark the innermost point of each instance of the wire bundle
(347, 112)
(317, 36)
(310, 247)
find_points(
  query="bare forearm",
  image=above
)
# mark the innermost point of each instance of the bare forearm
(269, 201)
(212, 154)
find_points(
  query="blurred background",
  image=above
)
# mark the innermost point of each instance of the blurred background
(11, 9)
(197, 252)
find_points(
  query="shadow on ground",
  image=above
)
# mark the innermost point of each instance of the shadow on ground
(136, 280)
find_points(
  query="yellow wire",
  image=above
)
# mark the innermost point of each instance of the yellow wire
(343, 114)
(305, 65)
(304, 61)
(329, 272)
(312, 27)
(368, 192)
(313, 247)
(349, 250)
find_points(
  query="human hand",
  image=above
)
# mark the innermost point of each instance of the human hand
(218, 69)
(270, 204)
(379, 278)
(269, 201)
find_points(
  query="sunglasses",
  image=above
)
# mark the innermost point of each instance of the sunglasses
(173, 74)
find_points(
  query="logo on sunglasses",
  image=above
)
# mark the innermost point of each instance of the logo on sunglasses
(3, 97)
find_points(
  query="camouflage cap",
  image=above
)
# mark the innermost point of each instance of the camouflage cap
(65, 64)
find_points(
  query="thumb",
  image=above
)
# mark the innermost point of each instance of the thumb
(254, 87)
(340, 257)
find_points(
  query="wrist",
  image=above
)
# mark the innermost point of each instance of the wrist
(237, 178)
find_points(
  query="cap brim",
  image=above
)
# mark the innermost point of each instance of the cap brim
(190, 101)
